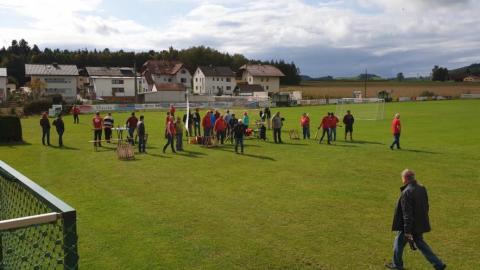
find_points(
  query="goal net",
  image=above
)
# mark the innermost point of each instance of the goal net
(362, 108)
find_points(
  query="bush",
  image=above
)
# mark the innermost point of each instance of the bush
(37, 107)
(427, 93)
(10, 129)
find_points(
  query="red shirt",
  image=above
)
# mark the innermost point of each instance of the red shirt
(206, 123)
(97, 122)
(172, 110)
(171, 128)
(132, 122)
(325, 122)
(305, 121)
(396, 127)
(333, 122)
(220, 125)
(76, 110)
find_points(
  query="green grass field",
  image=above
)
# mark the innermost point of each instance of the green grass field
(299, 205)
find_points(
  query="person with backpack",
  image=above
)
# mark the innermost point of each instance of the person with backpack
(60, 127)
(45, 124)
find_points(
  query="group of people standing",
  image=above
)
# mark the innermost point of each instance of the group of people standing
(59, 126)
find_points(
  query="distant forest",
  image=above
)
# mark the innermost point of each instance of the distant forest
(20, 53)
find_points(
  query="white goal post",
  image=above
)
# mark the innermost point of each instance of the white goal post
(362, 108)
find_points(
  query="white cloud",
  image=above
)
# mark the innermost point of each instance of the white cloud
(376, 27)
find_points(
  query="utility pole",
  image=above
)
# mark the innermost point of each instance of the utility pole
(135, 80)
(365, 84)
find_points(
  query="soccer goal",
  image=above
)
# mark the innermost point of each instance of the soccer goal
(362, 108)
(37, 230)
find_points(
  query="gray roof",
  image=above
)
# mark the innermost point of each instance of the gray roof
(110, 71)
(210, 71)
(52, 70)
(3, 72)
(260, 70)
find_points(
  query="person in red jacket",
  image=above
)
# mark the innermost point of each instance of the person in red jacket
(170, 135)
(396, 129)
(172, 110)
(132, 126)
(220, 128)
(76, 112)
(207, 124)
(325, 125)
(97, 129)
(305, 123)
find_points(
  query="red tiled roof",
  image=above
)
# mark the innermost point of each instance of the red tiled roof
(162, 67)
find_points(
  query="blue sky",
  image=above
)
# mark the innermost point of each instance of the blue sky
(329, 37)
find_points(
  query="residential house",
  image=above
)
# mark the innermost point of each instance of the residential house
(266, 76)
(113, 84)
(3, 85)
(211, 80)
(472, 79)
(161, 71)
(56, 79)
(245, 89)
(165, 93)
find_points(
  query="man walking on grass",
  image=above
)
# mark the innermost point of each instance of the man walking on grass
(396, 129)
(325, 126)
(141, 135)
(170, 135)
(348, 121)
(238, 133)
(411, 221)
(97, 122)
(45, 124)
(277, 128)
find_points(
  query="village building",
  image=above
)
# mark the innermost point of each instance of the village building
(267, 76)
(113, 84)
(211, 80)
(55, 79)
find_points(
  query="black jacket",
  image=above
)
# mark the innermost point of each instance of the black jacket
(141, 129)
(411, 213)
(239, 131)
(59, 125)
(45, 123)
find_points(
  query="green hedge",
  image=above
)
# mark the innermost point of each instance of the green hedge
(10, 129)
(37, 107)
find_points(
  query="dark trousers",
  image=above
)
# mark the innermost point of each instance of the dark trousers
(130, 135)
(46, 134)
(221, 136)
(141, 143)
(399, 245)
(396, 141)
(60, 137)
(108, 134)
(239, 141)
(327, 132)
(333, 134)
(170, 142)
(179, 142)
(277, 135)
(97, 136)
(76, 119)
(196, 129)
(306, 132)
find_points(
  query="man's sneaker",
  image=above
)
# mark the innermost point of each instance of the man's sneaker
(392, 266)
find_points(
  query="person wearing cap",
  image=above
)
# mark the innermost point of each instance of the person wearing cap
(238, 133)
(97, 129)
(60, 127)
(396, 129)
(411, 221)
(45, 124)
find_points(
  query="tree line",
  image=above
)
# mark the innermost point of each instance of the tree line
(19, 53)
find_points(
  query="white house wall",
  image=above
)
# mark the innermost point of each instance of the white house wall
(64, 85)
(103, 87)
(212, 85)
(269, 84)
(3, 89)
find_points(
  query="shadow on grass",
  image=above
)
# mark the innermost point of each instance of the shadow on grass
(157, 155)
(364, 142)
(13, 144)
(65, 147)
(232, 150)
(287, 143)
(418, 151)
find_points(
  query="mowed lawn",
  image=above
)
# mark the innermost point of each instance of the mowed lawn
(299, 205)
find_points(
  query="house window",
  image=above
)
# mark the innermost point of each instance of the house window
(183, 71)
(183, 80)
(169, 79)
(196, 79)
(117, 81)
(266, 79)
(266, 87)
(116, 90)
(196, 87)
(164, 79)
(229, 88)
(228, 79)
(261, 79)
